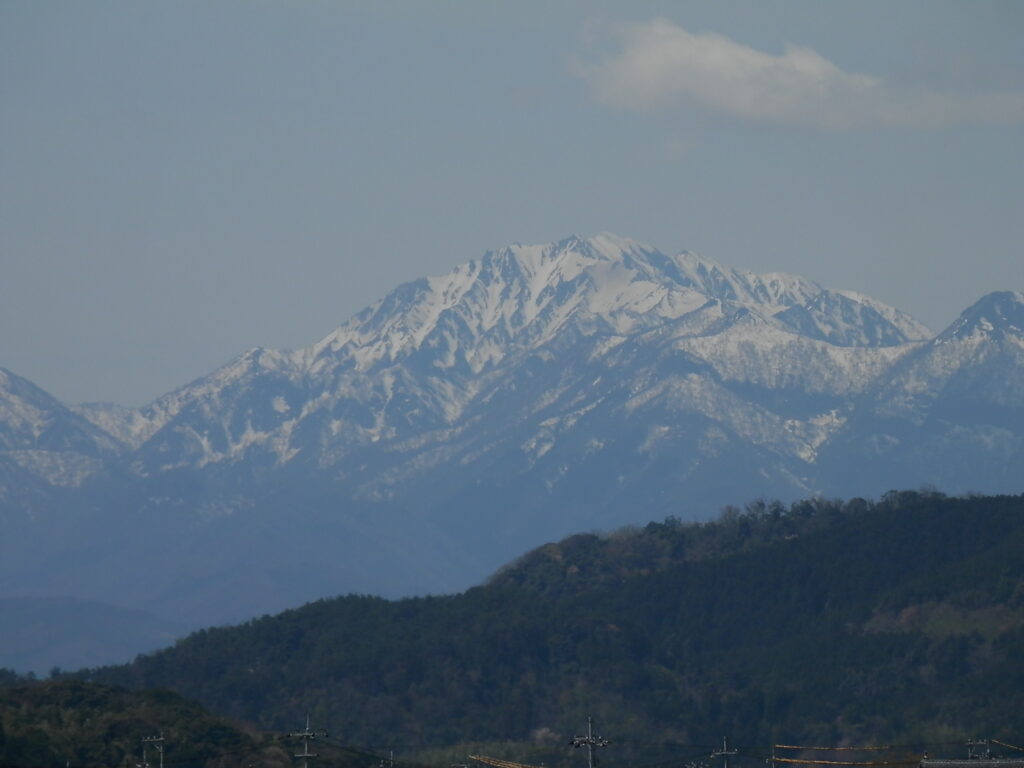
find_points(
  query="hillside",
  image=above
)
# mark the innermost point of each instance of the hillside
(824, 621)
(68, 722)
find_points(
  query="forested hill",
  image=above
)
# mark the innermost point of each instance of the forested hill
(901, 619)
(71, 723)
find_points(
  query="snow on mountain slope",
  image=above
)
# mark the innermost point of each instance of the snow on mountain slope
(850, 320)
(517, 297)
(950, 413)
(127, 425)
(774, 290)
(845, 318)
(46, 438)
(979, 357)
(756, 351)
(32, 419)
(524, 295)
(909, 327)
(417, 358)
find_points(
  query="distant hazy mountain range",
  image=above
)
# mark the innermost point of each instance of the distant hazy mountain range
(462, 419)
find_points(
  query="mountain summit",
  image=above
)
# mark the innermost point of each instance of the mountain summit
(1000, 313)
(534, 392)
(522, 296)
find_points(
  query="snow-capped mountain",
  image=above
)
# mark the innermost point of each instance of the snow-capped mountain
(47, 439)
(978, 359)
(414, 361)
(951, 412)
(534, 392)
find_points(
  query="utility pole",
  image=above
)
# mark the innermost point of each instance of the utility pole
(589, 741)
(307, 736)
(972, 743)
(725, 753)
(156, 741)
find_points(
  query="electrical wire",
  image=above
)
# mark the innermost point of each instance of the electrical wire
(844, 762)
(1008, 746)
(883, 747)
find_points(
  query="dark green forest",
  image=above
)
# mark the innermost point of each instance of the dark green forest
(824, 621)
(68, 722)
(898, 621)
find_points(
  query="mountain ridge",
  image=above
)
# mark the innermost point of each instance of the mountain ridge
(525, 395)
(465, 324)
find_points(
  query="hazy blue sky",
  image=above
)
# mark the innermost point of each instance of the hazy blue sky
(180, 181)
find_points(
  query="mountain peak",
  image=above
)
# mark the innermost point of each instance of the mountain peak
(996, 313)
(604, 244)
(573, 252)
(521, 296)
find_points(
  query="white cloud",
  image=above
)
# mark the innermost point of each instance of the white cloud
(662, 66)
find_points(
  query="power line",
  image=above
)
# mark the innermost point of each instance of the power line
(1004, 744)
(799, 761)
(879, 748)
